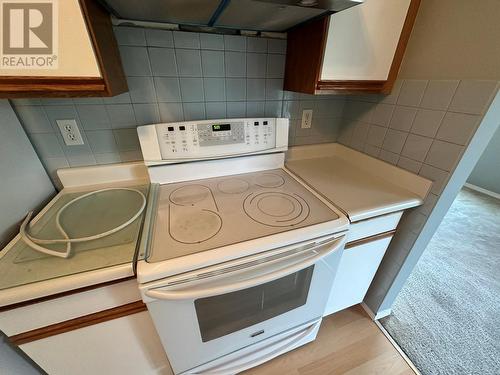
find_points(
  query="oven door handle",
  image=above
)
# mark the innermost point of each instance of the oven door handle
(308, 258)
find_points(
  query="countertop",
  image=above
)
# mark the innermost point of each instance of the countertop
(362, 186)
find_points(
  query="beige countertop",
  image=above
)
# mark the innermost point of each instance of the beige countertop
(362, 186)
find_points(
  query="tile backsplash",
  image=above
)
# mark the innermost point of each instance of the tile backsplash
(176, 76)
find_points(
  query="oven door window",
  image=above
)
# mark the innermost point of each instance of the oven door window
(227, 313)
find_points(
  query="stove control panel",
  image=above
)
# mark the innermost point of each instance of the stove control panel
(212, 138)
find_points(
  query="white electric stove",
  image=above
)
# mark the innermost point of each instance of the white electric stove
(240, 255)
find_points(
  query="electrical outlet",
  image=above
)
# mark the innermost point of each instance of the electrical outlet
(307, 117)
(70, 132)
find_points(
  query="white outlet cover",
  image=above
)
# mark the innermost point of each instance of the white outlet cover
(70, 132)
(307, 115)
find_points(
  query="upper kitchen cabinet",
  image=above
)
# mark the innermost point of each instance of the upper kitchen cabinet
(58, 49)
(357, 50)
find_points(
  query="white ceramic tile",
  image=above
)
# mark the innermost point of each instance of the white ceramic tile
(236, 89)
(382, 114)
(102, 141)
(402, 118)
(215, 90)
(473, 96)
(188, 62)
(275, 66)
(47, 145)
(256, 65)
(135, 61)
(192, 89)
(256, 89)
(256, 44)
(168, 89)
(389, 157)
(458, 127)
(409, 164)
(126, 139)
(416, 147)
(394, 141)
(438, 94)
(215, 110)
(274, 89)
(93, 117)
(171, 112)
(212, 41)
(183, 39)
(129, 36)
(276, 46)
(146, 114)
(163, 61)
(141, 89)
(235, 64)
(34, 119)
(236, 109)
(427, 122)
(212, 63)
(235, 43)
(411, 92)
(121, 115)
(194, 111)
(443, 155)
(376, 135)
(159, 38)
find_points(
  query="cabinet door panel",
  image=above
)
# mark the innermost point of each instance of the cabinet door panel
(357, 268)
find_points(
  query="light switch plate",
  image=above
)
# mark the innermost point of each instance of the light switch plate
(70, 132)
(307, 116)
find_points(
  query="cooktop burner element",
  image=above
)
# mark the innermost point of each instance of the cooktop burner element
(276, 208)
(233, 186)
(207, 214)
(189, 195)
(269, 180)
(191, 225)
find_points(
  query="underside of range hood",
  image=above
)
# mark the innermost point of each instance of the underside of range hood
(256, 15)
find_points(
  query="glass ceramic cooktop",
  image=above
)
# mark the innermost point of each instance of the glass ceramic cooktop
(206, 214)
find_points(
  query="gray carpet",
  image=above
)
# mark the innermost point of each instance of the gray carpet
(447, 317)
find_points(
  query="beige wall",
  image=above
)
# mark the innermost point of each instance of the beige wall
(454, 39)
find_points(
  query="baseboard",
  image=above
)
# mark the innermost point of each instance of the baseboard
(379, 315)
(398, 348)
(481, 190)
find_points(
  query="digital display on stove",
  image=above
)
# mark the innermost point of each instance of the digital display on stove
(221, 127)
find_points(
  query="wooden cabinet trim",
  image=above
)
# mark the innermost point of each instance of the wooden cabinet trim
(112, 82)
(76, 323)
(304, 74)
(373, 238)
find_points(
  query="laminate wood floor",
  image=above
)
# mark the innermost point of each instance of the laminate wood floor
(348, 342)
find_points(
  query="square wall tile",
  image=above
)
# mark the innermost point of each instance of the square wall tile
(256, 44)
(235, 43)
(192, 89)
(437, 176)
(274, 89)
(107, 158)
(88, 100)
(402, 118)
(382, 114)
(376, 135)
(93, 117)
(81, 160)
(256, 109)
(61, 112)
(53, 164)
(473, 96)
(236, 109)
(212, 41)
(163, 61)
(146, 114)
(121, 115)
(438, 94)
(394, 141)
(188, 62)
(273, 108)
(291, 109)
(129, 36)
(443, 155)
(458, 127)
(215, 110)
(183, 39)
(409, 164)
(276, 46)
(159, 38)
(194, 111)
(135, 61)
(128, 156)
(126, 139)
(167, 89)
(212, 63)
(392, 98)
(141, 89)
(256, 65)
(47, 145)
(427, 122)
(236, 89)
(235, 64)
(215, 90)
(389, 157)
(102, 141)
(412, 92)
(33, 118)
(372, 150)
(416, 147)
(256, 89)
(275, 66)
(171, 112)
(123, 98)
(356, 110)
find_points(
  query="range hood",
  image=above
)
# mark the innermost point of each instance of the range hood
(257, 15)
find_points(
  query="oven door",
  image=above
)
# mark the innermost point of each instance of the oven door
(203, 315)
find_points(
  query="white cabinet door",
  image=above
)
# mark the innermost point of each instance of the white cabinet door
(355, 274)
(362, 40)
